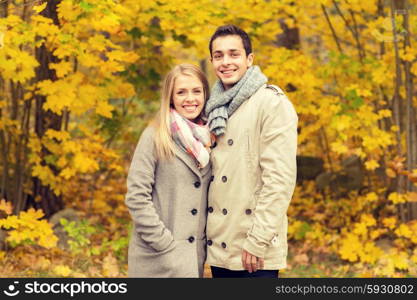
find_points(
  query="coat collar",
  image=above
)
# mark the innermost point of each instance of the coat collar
(190, 162)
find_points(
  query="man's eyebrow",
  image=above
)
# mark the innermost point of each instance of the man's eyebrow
(231, 50)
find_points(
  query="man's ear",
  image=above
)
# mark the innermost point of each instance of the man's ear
(249, 59)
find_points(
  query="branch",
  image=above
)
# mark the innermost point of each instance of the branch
(332, 29)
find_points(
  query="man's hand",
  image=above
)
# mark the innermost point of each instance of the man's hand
(251, 263)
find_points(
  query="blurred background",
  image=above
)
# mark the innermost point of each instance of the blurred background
(80, 80)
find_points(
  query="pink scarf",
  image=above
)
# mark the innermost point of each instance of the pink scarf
(195, 139)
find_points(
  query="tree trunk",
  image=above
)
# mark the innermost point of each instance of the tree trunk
(396, 106)
(410, 115)
(43, 196)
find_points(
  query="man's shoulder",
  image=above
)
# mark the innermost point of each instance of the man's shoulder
(269, 93)
(275, 89)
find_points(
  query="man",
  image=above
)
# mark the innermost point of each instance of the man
(253, 160)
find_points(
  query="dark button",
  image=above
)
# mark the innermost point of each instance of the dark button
(214, 145)
(209, 242)
(191, 239)
(211, 178)
(194, 211)
(224, 211)
(230, 142)
(210, 209)
(224, 178)
(197, 184)
(248, 211)
(224, 245)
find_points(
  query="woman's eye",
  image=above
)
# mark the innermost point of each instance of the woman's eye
(197, 92)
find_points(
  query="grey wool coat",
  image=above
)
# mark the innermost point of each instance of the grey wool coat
(167, 201)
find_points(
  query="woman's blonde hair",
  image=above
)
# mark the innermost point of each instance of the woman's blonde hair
(163, 139)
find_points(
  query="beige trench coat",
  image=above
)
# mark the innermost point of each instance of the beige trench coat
(254, 169)
(168, 205)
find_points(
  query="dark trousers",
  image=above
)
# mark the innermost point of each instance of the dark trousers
(225, 273)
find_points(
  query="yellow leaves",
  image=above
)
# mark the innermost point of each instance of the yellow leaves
(404, 231)
(108, 22)
(62, 270)
(389, 222)
(62, 68)
(397, 198)
(408, 231)
(67, 11)
(371, 197)
(353, 248)
(371, 164)
(104, 109)
(390, 173)
(384, 113)
(84, 164)
(17, 65)
(59, 135)
(39, 8)
(28, 228)
(1, 39)
(59, 94)
(408, 54)
(349, 248)
(400, 260)
(339, 148)
(6, 207)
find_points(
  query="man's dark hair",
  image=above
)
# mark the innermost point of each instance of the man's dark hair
(232, 30)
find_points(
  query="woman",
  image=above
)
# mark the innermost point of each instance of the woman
(167, 182)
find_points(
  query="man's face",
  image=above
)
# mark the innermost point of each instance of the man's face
(229, 59)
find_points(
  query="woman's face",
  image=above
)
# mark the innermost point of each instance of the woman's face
(188, 96)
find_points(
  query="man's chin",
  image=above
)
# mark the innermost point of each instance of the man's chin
(228, 82)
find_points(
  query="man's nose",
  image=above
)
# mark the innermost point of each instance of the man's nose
(226, 60)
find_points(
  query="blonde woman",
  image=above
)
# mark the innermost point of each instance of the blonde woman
(168, 180)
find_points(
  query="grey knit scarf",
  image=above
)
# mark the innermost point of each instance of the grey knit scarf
(222, 104)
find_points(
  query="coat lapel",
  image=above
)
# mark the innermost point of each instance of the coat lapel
(188, 160)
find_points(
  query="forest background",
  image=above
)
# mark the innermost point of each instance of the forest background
(80, 80)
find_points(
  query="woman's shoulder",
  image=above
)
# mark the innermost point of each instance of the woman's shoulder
(149, 132)
(147, 138)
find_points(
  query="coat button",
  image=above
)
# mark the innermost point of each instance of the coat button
(224, 178)
(224, 245)
(191, 239)
(224, 211)
(211, 178)
(210, 209)
(197, 184)
(248, 211)
(209, 242)
(230, 142)
(194, 211)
